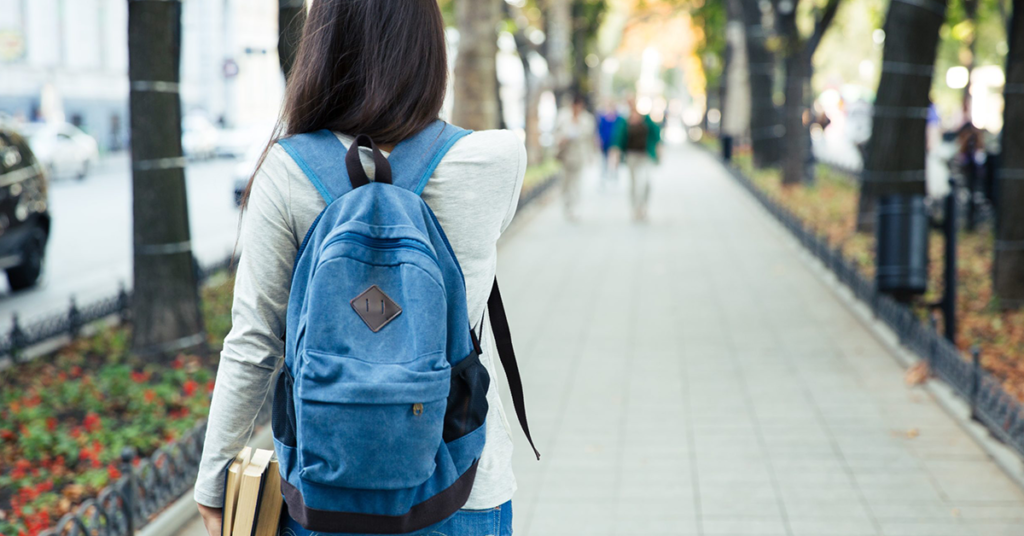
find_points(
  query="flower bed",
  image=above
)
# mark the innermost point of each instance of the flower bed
(65, 419)
(829, 206)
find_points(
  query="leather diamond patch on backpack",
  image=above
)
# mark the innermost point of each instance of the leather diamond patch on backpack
(375, 308)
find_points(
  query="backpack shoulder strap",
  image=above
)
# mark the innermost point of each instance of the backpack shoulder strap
(321, 156)
(507, 356)
(414, 159)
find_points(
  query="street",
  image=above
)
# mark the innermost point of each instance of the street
(90, 249)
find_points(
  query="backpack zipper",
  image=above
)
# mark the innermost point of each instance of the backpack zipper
(384, 243)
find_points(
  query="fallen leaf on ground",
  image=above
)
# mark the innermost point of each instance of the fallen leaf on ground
(917, 374)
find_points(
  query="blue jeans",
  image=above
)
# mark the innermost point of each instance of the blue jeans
(491, 522)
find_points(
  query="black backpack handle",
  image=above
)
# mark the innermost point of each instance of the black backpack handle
(356, 174)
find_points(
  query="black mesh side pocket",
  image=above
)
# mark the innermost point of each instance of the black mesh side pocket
(467, 399)
(282, 419)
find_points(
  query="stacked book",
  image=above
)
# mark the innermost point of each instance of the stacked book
(252, 499)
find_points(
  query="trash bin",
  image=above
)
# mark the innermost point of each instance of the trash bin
(902, 260)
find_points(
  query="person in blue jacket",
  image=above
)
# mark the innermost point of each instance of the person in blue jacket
(606, 121)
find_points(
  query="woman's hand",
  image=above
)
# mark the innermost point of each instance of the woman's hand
(212, 518)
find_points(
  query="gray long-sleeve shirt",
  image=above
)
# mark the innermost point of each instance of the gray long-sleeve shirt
(473, 192)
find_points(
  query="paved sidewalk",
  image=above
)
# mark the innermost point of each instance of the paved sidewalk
(692, 376)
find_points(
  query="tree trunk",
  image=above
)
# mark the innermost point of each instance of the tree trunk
(895, 161)
(970, 14)
(165, 305)
(765, 125)
(290, 16)
(476, 105)
(795, 144)
(735, 74)
(531, 119)
(559, 46)
(1008, 267)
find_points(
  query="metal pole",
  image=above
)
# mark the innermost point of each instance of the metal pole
(128, 492)
(949, 275)
(975, 380)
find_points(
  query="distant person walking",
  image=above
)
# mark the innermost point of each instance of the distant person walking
(575, 138)
(606, 121)
(638, 139)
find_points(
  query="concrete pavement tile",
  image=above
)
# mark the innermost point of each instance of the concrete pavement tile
(927, 528)
(833, 526)
(810, 508)
(655, 517)
(749, 526)
(566, 518)
(717, 507)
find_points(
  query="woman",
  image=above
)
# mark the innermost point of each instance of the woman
(377, 68)
(575, 134)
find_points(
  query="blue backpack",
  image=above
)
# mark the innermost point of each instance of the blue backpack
(378, 414)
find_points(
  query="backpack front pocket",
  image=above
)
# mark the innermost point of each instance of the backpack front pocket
(382, 432)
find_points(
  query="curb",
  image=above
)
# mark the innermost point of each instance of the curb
(954, 406)
(183, 511)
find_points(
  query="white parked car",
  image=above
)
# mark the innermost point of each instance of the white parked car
(62, 149)
(199, 137)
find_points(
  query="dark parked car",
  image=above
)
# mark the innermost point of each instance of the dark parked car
(24, 212)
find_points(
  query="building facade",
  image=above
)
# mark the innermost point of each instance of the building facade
(69, 58)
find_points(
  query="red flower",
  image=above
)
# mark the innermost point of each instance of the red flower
(31, 400)
(92, 422)
(149, 396)
(139, 377)
(62, 376)
(59, 461)
(28, 493)
(177, 363)
(6, 434)
(15, 407)
(113, 471)
(209, 386)
(51, 423)
(96, 463)
(76, 371)
(76, 432)
(84, 453)
(189, 387)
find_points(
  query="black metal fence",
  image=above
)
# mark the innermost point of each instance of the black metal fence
(990, 404)
(70, 322)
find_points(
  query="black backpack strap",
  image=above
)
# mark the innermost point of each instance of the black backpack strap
(507, 356)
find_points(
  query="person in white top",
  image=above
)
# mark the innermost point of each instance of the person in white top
(576, 136)
(377, 68)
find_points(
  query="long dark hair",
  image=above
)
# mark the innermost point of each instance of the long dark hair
(375, 67)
